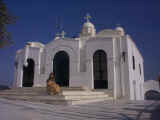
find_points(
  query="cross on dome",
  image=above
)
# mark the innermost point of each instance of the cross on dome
(88, 28)
(87, 17)
(120, 29)
(57, 36)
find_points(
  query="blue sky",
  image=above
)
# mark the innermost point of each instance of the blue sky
(37, 22)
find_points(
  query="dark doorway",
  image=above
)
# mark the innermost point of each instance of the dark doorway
(100, 70)
(28, 74)
(61, 68)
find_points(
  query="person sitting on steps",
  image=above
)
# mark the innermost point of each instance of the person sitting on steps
(52, 87)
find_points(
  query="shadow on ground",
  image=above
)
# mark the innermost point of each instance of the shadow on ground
(145, 112)
(155, 113)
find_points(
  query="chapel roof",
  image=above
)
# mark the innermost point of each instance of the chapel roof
(107, 33)
(35, 44)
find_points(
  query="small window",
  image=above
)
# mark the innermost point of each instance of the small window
(140, 69)
(133, 59)
(16, 64)
(123, 56)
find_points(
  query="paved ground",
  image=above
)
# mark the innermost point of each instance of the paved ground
(108, 110)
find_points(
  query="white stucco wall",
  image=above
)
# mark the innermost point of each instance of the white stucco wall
(92, 46)
(19, 70)
(28, 53)
(136, 79)
(71, 47)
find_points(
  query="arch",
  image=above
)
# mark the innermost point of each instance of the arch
(100, 70)
(61, 68)
(68, 49)
(28, 74)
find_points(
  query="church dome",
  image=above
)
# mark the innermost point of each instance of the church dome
(120, 30)
(88, 28)
(88, 24)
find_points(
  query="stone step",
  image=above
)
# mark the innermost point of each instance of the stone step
(44, 88)
(40, 90)
(85, 97)
(81, 93)
(34, 91)
(22, 94)
(68, 95)
(73, 88)
(22, 90)
(71, 102)
(71, 97)
(58, 99)
(44, 93)
(85, 101)
(64, 93)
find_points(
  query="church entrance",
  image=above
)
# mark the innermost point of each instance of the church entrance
(61, 68)
(28, 74)
(100, 70)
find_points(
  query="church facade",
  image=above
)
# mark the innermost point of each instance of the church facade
(106, 60)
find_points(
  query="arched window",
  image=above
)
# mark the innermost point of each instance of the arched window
(133, 60)
(140, 69)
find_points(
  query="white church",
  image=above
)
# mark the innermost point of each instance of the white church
(107, 60)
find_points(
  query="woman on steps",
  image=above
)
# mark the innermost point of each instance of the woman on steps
(52, 87)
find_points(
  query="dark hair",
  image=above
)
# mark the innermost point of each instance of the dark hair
(51, 74)
(51, 78)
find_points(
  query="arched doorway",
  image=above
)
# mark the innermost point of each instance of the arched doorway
(61, 68)
(28, 74)
(100, 70)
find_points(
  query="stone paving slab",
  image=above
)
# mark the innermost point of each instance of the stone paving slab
(106, 110)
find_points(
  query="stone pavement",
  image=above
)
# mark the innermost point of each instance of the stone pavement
(107, 110)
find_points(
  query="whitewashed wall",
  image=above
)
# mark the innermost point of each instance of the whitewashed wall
(92, 45)
(19, 70)
(71, 47)
(136, 80)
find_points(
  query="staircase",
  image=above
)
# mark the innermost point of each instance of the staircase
(69, 96)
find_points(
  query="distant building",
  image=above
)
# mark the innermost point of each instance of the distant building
(107, 60)
(151, 85)
(151, 90)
